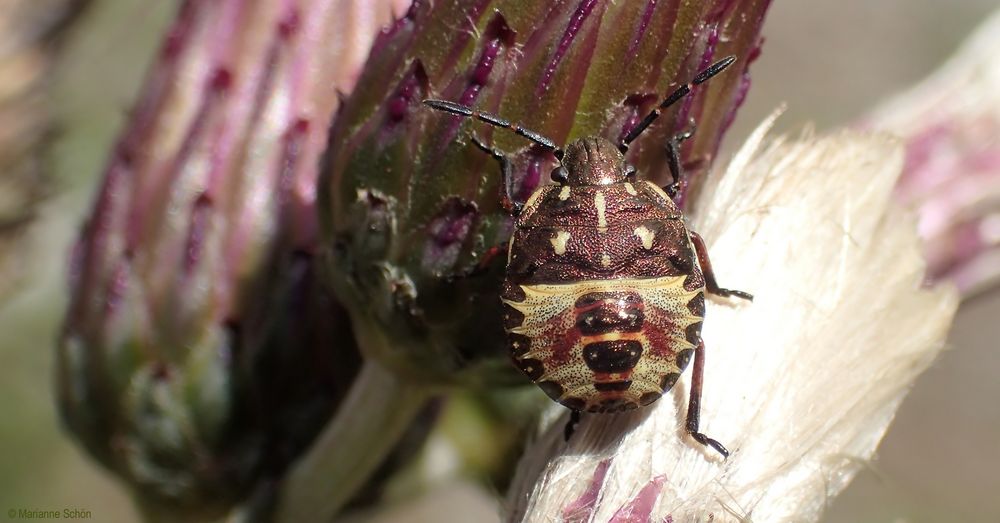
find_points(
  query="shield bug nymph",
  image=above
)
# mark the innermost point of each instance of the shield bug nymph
(604, 293)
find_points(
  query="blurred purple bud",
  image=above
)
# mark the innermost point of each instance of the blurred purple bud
(950, 125)
(200, 355)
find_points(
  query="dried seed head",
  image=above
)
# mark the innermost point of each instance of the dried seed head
(802, 383)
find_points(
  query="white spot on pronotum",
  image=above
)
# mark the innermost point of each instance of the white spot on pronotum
(559, 242)
(605, 260)
(529, 206)
(658, 190)
(630, 189)
(602, 219)
(645, 236)
(564, 193)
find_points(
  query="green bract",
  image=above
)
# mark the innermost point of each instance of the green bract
(409, 205)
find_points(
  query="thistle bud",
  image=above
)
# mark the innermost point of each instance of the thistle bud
(410, 206)
(950, 124)
(199, 355)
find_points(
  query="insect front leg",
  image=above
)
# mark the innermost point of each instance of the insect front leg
(507, 175)
(711, 285)
(694, 403)
(674, 160)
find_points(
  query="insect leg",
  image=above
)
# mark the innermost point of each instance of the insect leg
(574, 420)
(506, 173)
(694, 404)
(711, 285)
(674, 160)
(481, 266)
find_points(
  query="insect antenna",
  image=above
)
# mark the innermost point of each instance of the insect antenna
(492, 119)
(679, 93)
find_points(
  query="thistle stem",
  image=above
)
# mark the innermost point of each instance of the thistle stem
(368, 424)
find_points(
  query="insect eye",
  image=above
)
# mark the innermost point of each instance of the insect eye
(560, 175)
(630, 172)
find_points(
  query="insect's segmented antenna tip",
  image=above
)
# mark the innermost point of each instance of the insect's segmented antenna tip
(714, 69)
(673, 97)
(449, 107)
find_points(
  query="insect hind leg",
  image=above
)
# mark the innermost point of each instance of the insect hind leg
(694, 404)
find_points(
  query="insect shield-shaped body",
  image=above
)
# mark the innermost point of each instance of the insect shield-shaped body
(603, 299)
(604, 294)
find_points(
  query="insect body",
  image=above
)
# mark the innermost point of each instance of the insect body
(603, 299)
(604, 293)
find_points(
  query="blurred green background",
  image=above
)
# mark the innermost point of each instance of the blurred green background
(830, 61)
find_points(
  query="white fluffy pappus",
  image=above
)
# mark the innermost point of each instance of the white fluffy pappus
(801, 384)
